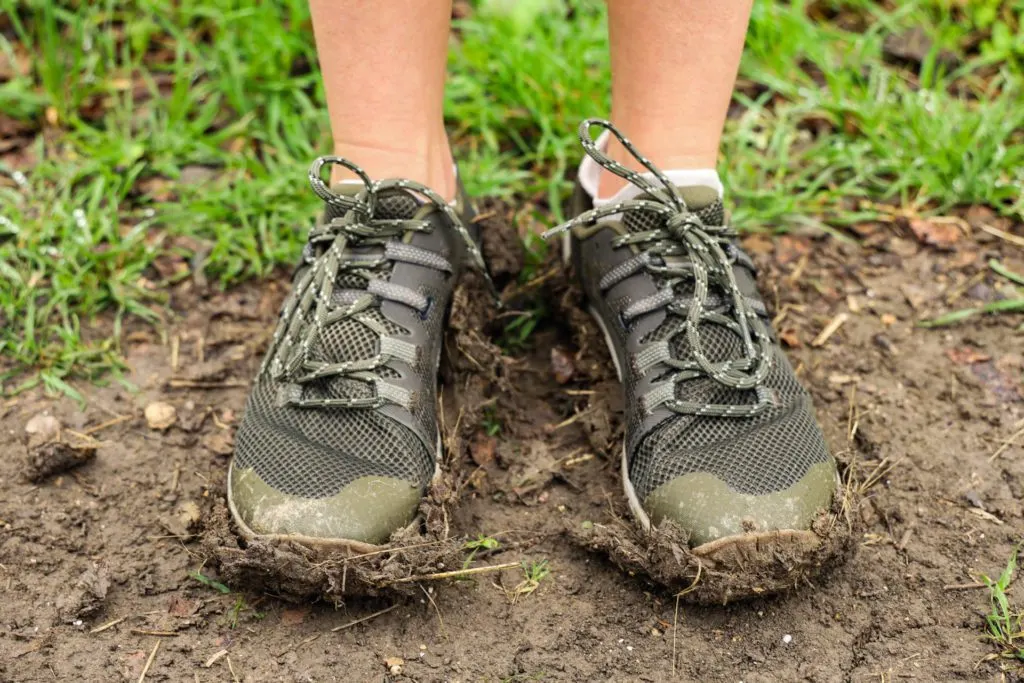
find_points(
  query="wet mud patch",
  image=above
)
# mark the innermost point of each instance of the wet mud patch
(533, 435)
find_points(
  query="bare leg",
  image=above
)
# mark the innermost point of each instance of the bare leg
(674, 65)
(384, 68)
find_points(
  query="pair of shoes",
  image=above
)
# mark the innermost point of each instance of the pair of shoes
(340, 438)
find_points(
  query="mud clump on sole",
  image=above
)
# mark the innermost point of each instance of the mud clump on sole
(730, 569)
(298, 572)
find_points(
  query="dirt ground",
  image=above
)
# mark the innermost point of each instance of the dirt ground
(97, 562)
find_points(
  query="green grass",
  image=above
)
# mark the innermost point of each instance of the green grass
(136, 95)
(1013, 303)
(1004, 624)
(210, 583)
(481, 542)
(533, 573)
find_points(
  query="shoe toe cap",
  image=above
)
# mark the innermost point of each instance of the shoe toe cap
(367, 510)
(708, 509)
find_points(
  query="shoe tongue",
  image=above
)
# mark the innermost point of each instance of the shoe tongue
(720, 344)
(348, 339)
(393, 204)
(701, 200)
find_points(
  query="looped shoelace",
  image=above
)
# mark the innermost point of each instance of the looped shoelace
(319, 302)
(708, 256)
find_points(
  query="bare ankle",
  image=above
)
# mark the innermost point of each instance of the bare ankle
(430, 164)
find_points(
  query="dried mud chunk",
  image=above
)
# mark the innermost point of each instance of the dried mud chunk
(47, 459)
(160, 415)
(754, 565)
(86, 598)
(502, 248)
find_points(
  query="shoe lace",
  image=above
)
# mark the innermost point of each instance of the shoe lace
(708, 257)
(319, 302)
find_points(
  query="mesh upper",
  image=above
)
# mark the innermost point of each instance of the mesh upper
(313, 452)
(757, 455)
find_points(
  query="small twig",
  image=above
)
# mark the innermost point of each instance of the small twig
(830, 329)
(391, 550)
(905, 538)
(234, 676)
(535, 282)
(109, 624)
(484, 216)
(1010, 440)
(149, 662)
(1012, 239)
(962, 586)
(675, 618)
(175, 477)
(196, 384)
(175, 348)
(986, 516)
(675, 623)
(161, 634)
(883, 468)
(799, 270)
(455, 573)
(109, 423)
(440, 620)
(307, 641)
(213, 658)
(362, 619)
(550, 429)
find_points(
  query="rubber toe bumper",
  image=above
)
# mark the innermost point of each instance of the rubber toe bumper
(368, 510)
(709, 510)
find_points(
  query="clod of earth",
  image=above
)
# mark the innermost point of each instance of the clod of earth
(160, 415)
(86, 598)
(48, 453)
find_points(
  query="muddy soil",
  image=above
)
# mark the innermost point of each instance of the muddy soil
(119, 565)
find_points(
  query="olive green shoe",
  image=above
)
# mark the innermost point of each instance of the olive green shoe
(340, 439)
(720, 436)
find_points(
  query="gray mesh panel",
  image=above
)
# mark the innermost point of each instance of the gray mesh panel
(313, 453)
(739, 452)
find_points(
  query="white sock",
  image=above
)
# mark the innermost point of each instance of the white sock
(590, 178)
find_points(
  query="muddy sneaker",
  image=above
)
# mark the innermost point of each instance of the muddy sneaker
(340, 438)
(721, 438)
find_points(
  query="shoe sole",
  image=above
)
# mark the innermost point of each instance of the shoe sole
(332, 545)
(738, 550)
